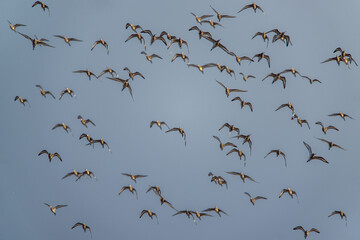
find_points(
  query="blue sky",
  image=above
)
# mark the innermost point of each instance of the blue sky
(182, 97)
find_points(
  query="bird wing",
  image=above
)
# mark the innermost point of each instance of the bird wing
(245, 7)
(67, 175)
(58, 156)
(314, 230)
(173, 129)
(308, 147)
(142, 213)
(60, 206)
(57, 125)
(221, 84)
(299, 228)
(217, 138)
(42, 152)
(248, 194)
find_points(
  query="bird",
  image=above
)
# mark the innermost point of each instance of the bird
(133, 74)
(201, 33)
(180, 42)
(132, 26)
(276, 77)
(240, 154)
(345, 54)
(150, 214)
(254, 6)
(325, 129)
(102, 42)
(130, 188)
(150, 57)
(125, 83)
(312, 80)
(242, 175)
(230, 127)
(63, 125)
(74, 172)
(262, 55)
(342, 115)
(228, 90)
(212, 23)
(246, 77)
(216, 43)
(239, 59)
(221, 16)
(215, 209)
(139, 37)
(341, 214)
(218, 180)
(155, 189)
(86, 172)
(224, 145)
(83, 226)
(14, 26)
(228, 70)
(199, 214)
(85, 122)
(181, 55)
(301, 121)
(187, 212)
(312, 156)
(243, 103)
(36, 41)
(68, 40)
(53, 209)
(246, 139)
(67, 91)
(42, 5)
(289, 191)
(291, 70)
(154, 37)
(306, 232)
(163, 200)
(263, 35)
(21, 100)
(199, 19)
(331, 144)
(201, 67)
(252, 200)
(168, 35)
(180, 130)
(87, 136)
(288, 105)
(102, 143)
(108, 70)
(50, 155)
(43, 92)
(337, 59)
(277, 152)
(159, 124)
(283, 37)
(134, 177)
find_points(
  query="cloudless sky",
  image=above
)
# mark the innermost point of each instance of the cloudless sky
(182, 97)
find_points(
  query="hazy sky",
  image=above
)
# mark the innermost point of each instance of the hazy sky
(183, 97)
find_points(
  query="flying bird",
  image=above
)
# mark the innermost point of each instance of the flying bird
(139, 37)
(228, 90)
(312, 80)
(201, 68)
(159, 124)
(325, 129)
(306, 232)
(180, 42)
(330, 144)
(50, 155)
(216, 43)
(341, 214)
(246, 77)
(301, 121)
(163, 200)
(231, 128)
(102, 42)
(74, 172)
(44, 93)
(36, 41)
(224, 145)
(102, 143)
(108, 70)
(211, 23)
(312, 156)
(133, 74)
(87, 136)
(42, 5)
(187, 212)
(150, 57)
(199, 19)
(290, 192)
(215, 209)
(154, 37)
(67, 91)
(246, 140)
(262, 55)
(150, 214)
(125, 83)
(85, 122)
(342, 115)
(239, 59)
(277, 152)
(63, 125)
(130, 188)
(14, 26)
(83, 226)
(86, 172)
(181, 55)
(288, 105)
(87, 72)
(155, 189)
(263, 36)
(277, 77)
(134, 177)
(180, 130)
(242, 175)
(132, 26)
(254, 6)
(243, 103)
(252, 200)
(21, 100)
(240, 154)
(53, 209)
(220, 16)
(201, 33)
(68, 40)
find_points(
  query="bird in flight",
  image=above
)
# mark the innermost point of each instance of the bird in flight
(246, 140)
(125, 83)
(150, 214)
(181, 55)
(102, 42)
(63, 125)
(132, 26)
(201, 67)
(277, 152)
(42, 5)
(262, 55)
(163, 200)
(83, 226)
(312, 156)
(159, 124)
(154, 37)
(342, 115)
(301, 121)
(221, 16)
(68, 40)
(331, 144)
(130, 188)
(134, 177)
(201, 33)
(108, 70)
(288, 105)
(243, 103)
(312, 80)
(263, 35)
(86, 172)
(36, 41)
(290, 192)
(199, 19)
(150, 57)
(306, 232)
(180, 130)
(102, 143)
(252, 200)
(276, 77)
(50, 155)
(21, 100)
(228, 90)
(14, 26)
(74, 172)
(53, 209)
(239, 152)
(67, 91)
(231, 128)
(341, 214)
(242, 175)
(212, 23)
(133, 74)
(139, 37)
(215, 209)
(254, 6)
(180, 42)
(325, 129)
(43, 92)
(239, 59)
(222, 145)
(87, 136)
(155, 189)
(85, 122)
(246, 77)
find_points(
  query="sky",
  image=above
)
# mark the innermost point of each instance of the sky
(182, 97)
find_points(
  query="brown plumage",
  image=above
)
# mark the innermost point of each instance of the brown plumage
(159, 124)
(102, 143)
(243, 103)
(150, 57)
(276, 77)
(83, 226)
(150, 214)
(230, 127)
(132, 26)
(154, 37)
(44, 93)
(301, 121)
(181, 55)
(341, 214)
(87, 173)
(325, 129)
(87, 136)
(330, 144)
(222, 145)
(180, 42)
(263, 36)
(42, 5)
(228, 90)
(187, 212)
(168, 35)
(125, 83)
(291, 70)
(163, 200)
(246, 140)
(262, 55)
(277, 152)
(221, 16)
(134, 177)
(342, 115)
(239, 59)
(289, 191)
(102, 42)
(312, 80)
(35, 42)
(85, 122)
(130, 188)
(312, 156)
(218, 180)
(68, 40)
(53, 209)
(139, 37)
(215, 209)
(216, 43)
(108, 70)
(242, 175)
(50, 155)
(155, 189)
(67, 91)
(253, 6)
(21, 100)
(246, 77)
(14, 26)
(213, 24)
(252, 200)
(62, 125)
(288, 105)
(133, 74)
(201, 67)
(180, 130)
(199, 19)
(306, 232)
(74, 172)
(87, 72)
(239, 153)
(201, 33)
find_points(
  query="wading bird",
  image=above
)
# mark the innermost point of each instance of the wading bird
(243, 103)
(133, 74)
(180, 130)
(14, 26)
(83, 226)
(246, 140)
(254, 6)
(87, 72)
(134, 177)
(63, 125)
(50, 155)
(220, 16)
(215, 209)
(301, 121)
(252, 200)
(312, 155)
(139, 37)
(181, 55)
(213, 24)
(68, 40)
(150, 214)
(240, 154)
(102, 42)
(246, 77)
(36, 41)
(242, 176)
(53, 209)
(276, 77)
(239, 59)
(21, 100)
(67, 91)
(224, 145)
(159, 124)
(199, 19)
(277, 152)
(180, 42)
(86, 172)
(262, 56)
(108, 70)
(231, 128)
(330, 144)
(312, 80)
(228, 90)
(87, 136)
(263, 36)
(44, 93)
(74, 172)
(154, 37)
(85, 122)
(150, 57)
(201, 68)
(342, 115)
(325, 129)
(132, 26)
(155, 189)
(130, 188)
(125, 83)
(201, 33)
(102, 143)
(289, 191)
(42, 5)
(288, 105)
(341, 214)
(306, 232)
